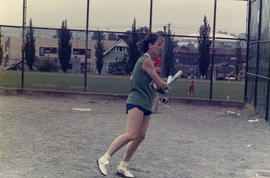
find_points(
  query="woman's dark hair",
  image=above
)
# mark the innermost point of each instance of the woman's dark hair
(150, 38)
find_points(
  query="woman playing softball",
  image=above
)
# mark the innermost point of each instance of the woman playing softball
(138, 105)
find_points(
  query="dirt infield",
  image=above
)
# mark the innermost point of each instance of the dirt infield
(62, 136)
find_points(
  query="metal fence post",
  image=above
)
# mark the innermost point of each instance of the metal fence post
(23, 42)
(151, 11)
(213, 52)
(86, 47)
(247, 52)
(258, 55)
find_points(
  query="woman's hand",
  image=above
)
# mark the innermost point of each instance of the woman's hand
(165, 89)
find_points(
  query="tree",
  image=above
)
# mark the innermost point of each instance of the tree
(99, 53)
(7, 46)
(97, 35)
(168, 53)
(133, 51)
(238, 60)
(30, 49)
(142, 32)
(6, 61)
(112, 36)
(64, 46)
(119, 66)
(204, 47)
(1, 49)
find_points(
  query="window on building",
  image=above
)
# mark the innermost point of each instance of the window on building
(80, 51)
(48, 50)
(41, 51)
(120, 49)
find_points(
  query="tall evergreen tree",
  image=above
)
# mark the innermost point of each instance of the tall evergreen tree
(30, 48)
(97, 35)
(7, 45)
(168, 54)
(142, 32)
(133, 51)
(112, 36)
(1, 49)
(64, 45)
(204, 47)
(238, 60)
(99, 53)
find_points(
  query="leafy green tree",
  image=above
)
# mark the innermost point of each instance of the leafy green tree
(133, 50)
(1, 49)
(238, 60)
(99, 53)
(47, 66)
(30, 49)
(204, 47)
(168, 53)
(64, 46)
(6, 61)
(119, 66)
(142, 32)
(7, 46)
(112, 36)
(97, 35)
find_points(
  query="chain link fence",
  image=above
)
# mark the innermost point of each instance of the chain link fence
(115, 20)
(258, 63)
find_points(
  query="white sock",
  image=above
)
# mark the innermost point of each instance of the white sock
(124, 163)
(106, 156)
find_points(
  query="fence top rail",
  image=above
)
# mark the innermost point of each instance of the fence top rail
(81, 30)
(257, 75)
(259, 41)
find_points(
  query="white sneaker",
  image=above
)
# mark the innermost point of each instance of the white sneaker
(123, 171)
(102, 163)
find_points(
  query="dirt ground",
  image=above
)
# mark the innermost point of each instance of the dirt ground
(62, 136)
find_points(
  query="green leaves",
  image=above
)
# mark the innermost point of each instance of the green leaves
(64, 46)
(204, 47)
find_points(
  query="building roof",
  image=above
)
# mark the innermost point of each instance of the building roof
(216, 52)
(217, 35)
(120, 42)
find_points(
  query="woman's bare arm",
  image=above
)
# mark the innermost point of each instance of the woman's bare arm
(149, 68)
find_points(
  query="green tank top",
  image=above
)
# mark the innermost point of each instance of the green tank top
(142, 90)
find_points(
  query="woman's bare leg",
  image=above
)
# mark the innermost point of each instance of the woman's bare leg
(135, 121)
(133, 145)
(156, 101)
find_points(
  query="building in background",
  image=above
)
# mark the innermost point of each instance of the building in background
(187, 60)
(47, 49)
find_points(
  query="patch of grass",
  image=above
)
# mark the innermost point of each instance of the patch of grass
(222, 90)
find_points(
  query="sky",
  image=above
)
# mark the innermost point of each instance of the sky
(185, 16)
